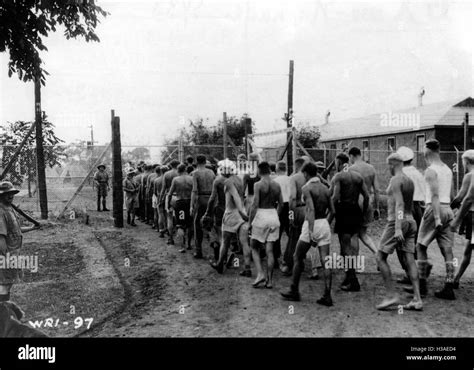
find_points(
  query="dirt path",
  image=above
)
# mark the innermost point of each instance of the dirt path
(173, 295)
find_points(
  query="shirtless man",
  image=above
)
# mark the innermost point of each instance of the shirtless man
(284, 181)
(149, 195)
(265, 224)
(182, 186)
(250, 178)
(316, 232)
(138, 180)
(202, 189)
(399, 233)
(347, 187)
(465, 202)
(234, 221)
(216, 208)
(165, 186)
(370, 179)
(296, 215)
(146, 195)
(435, 223)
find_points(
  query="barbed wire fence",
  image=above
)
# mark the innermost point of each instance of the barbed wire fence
(71, 183)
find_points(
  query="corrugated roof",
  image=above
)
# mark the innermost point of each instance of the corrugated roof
(450, 113)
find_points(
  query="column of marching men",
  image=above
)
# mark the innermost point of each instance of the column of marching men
(244, 207)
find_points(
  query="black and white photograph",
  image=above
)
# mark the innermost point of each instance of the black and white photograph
(237, 169)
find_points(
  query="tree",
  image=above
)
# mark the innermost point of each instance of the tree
(136, 155)
(23, 24)
(25, 167)
(308, 136)
(199, 137)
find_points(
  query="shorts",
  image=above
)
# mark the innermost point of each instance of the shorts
(182, 213)
(388, 243)
(296, 216)
(266, 225)
(427, 232)
(154, 201)
(349, 218)
(321, 232)
(102, 190)
(232, 221)
(131, 203)
(466, 226)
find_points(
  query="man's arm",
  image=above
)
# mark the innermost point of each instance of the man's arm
(170, 194)
(432, 180)
(255, 203)
(236, 197)
(309, 210)
(3, 245)
(194, 194)
(332, 210)
(375, 186)
(163, 190)
(336, 189)
(466, 182)
(212, 198)
(465, 206)
(280, 200)
(399, 209)
(293, 192)
(365, 193)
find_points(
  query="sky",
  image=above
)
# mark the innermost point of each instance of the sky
(162, 62)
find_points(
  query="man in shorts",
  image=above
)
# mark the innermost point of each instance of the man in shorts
(370, 179)
(130, 187)
(11, 239)
(234, 221)
(436, 220)
(101, 181)
(465, 215)
(316, 232)
(182, 186)
(283, 180)
(399, 233)
(265, 224)
(157, 185)
(202, 188)
(348, 187)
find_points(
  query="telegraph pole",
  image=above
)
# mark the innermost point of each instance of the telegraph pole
(289, 120)
(40, 165)
(466, 131)
(117, 176)
(224, 120)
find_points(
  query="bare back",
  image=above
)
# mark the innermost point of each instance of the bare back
(183, 186)
(321, 198)
(269, 193)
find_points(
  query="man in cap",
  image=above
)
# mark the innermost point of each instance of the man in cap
(130, 187)
(101, 181)
(435, 223)
(399, 233)
(202, 188)
(418, 201)
(11, 239)
(465, 202)
(234, 221)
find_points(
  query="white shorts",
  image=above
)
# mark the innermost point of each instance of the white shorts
(154, 201)
(266, 225)
(321, 232)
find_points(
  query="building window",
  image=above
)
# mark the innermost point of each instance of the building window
(333, 146)
(420, 143)
(365, 150)
(391, 146)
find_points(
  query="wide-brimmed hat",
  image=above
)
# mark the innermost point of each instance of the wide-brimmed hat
(7, 187)
(101, 165)
(131, 171)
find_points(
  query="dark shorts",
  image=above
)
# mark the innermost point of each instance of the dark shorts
(102, 190)
(466, 226)
(296, 216)
(388, 243)
(349, 218)
(182, 214)
(218, 215)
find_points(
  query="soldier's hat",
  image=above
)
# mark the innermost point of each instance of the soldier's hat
(7, 187)
(101, 165)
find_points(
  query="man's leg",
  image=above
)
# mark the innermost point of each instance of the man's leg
(412, 271)
(98, 200)
(315, 263)
(198, 232)
(169, 219)
(326, 299)
(298, 267)
(392, 297)
(255, 245)
(244, 242)
(225, 244)
(270, 263)
(447, 292)
(345, 244)
(367, 240)
(422, 254)
(466, 260)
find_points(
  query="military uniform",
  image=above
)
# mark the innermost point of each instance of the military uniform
(101, 180)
